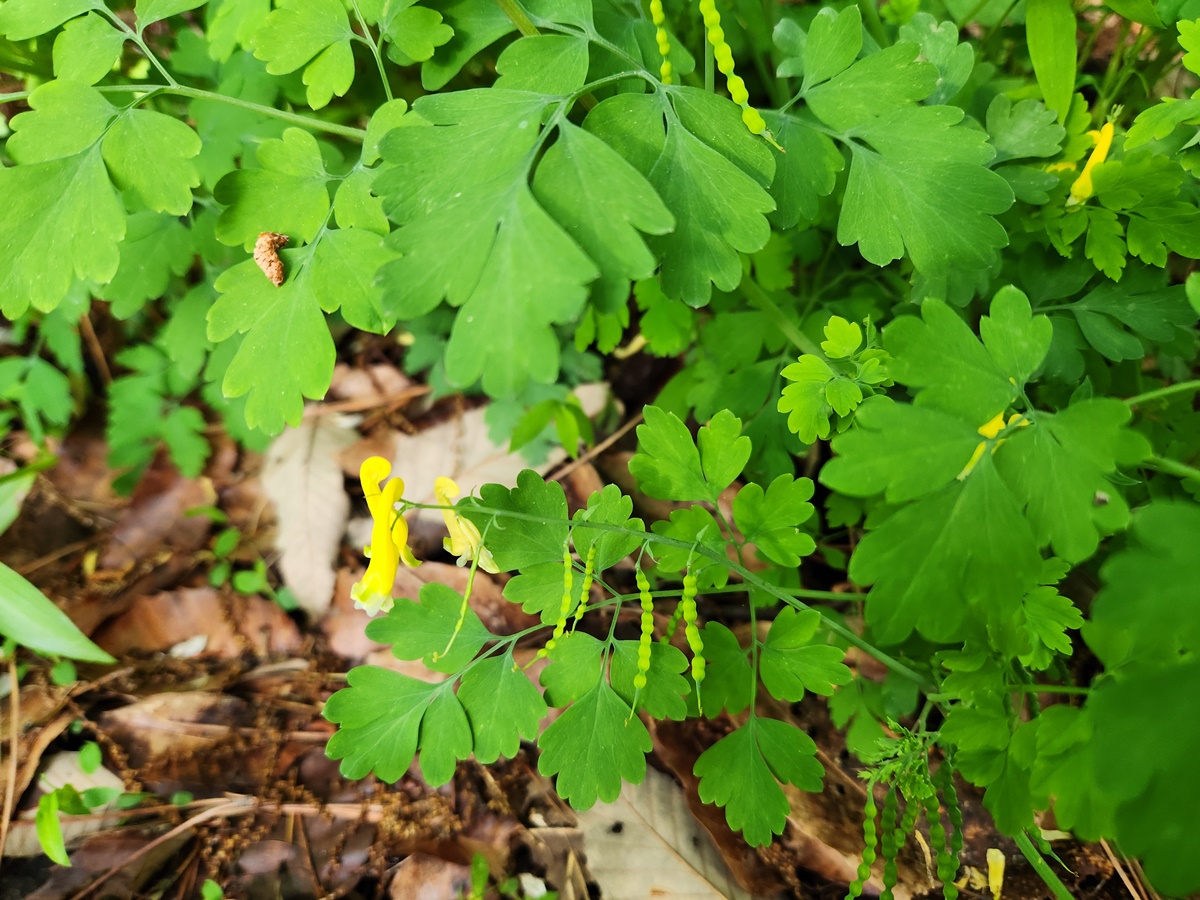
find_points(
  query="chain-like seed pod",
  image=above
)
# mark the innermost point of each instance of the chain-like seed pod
(945, 779)
(687, 602)
(889, 846)
(564, 609)
(658, 17)
(585, 588)
(645, 639)
(672, 624)
(869, 837)
(723, 56)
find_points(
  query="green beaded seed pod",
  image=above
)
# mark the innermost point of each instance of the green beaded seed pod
(564, 609)
(658, 17)
(585, 587)
(889, 845)
(647, 633)
(687, 603)
(869, 839)
(723, 56)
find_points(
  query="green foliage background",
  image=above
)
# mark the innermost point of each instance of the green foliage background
(1005, 371)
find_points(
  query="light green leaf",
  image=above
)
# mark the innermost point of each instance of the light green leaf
(149, 156)
(445, 739)
(604, 203)
(728, 679)
(343, 275)
(876, 84)
(742, 771)
(234, 26)
(24, 19)
(287, 195)
(805, 173)
(30, 619)
(930, 178)
(576, 666)
(1048, 616)
(609, 506)
(355, 205)
(668, 464)
(49, 829)
(593, 746)
(62, 221)
(521, 543)
(330, 73)
(544, 64)
(393, 114)
(156, 246)
(148, 11)
(476, 24)
(66, 119)
(1050, 33)
(665, 690)
(842, 338)
(87, 49)
(792, 662)
(768, 520)
(299, 30)
(1015, 339)
(503, 706)
(414, 33)
(834, 41)
(1026, 129)
(423, 629)
(939, 45)
(287, 353)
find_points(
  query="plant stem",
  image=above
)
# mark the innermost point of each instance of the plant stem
(710, 67)
(517, 16)
(356, 134)
(1184, 387)
(1172, 467)
(745, 574)
(870, 14)
(136, 37)
(374, 47)
(1041, 867)
(756, 295)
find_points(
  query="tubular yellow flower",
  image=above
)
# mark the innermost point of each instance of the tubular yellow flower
(1082, 188)
(464, 541)
(389, 538)
(989, 430)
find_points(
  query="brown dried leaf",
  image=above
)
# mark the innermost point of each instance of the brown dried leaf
(266, 255)
(304, 481)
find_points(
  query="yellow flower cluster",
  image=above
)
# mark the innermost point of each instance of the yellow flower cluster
(989, 430)
(389, 535)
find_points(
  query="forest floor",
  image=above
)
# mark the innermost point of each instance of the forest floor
(214, 711)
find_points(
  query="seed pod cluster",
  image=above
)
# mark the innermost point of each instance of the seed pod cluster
(658, 17)
(585, 588)
(890, 841)
(869, 839)
(947, 859)
(266, 255)
(564, 609)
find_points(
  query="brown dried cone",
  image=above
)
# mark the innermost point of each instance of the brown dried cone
(266, 254)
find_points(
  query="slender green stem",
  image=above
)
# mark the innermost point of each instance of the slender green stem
(1184, 387)
(517, 16)
(710, 67)
(742, 572)
(373, 45)
(870, 14)
(136, 37)
(356, 134)
(1127, 71)
(756, 295)
(1041, 867)
(1172, 467)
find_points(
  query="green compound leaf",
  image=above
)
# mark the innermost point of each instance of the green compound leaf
(1116, 318)
(931, 179)
(873, 86)
(65, 119)
(1146, 613)
(668, 465)
(539, 590)
(30, 619)
(593, 747)
(805, 173)
(742, 771)
(604, 203)
(834, 42)
(791, 662)
(728, 679)
(445, 739)
(769, 519)
(149, 11)
(544, 64)
(1023, 130)
(521, 543)
(87, 49)
(287, 354)
(344, 264)
(156, 246)
(503, 706)
(379, 718)
(287, 195)
(62, 221)
(609, 506)
(965, 547)
(149, 156)
(413, 33)
(1057, 471)
(24, 19)
(1048, 617)
(664, 695)
(939, 45)
(299, 30)
(711, 174)
(576, 664)
(423, 629)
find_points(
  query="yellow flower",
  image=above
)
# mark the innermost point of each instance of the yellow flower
(389, 538)
(464, 541)
(989, 430)
(1082, 188)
